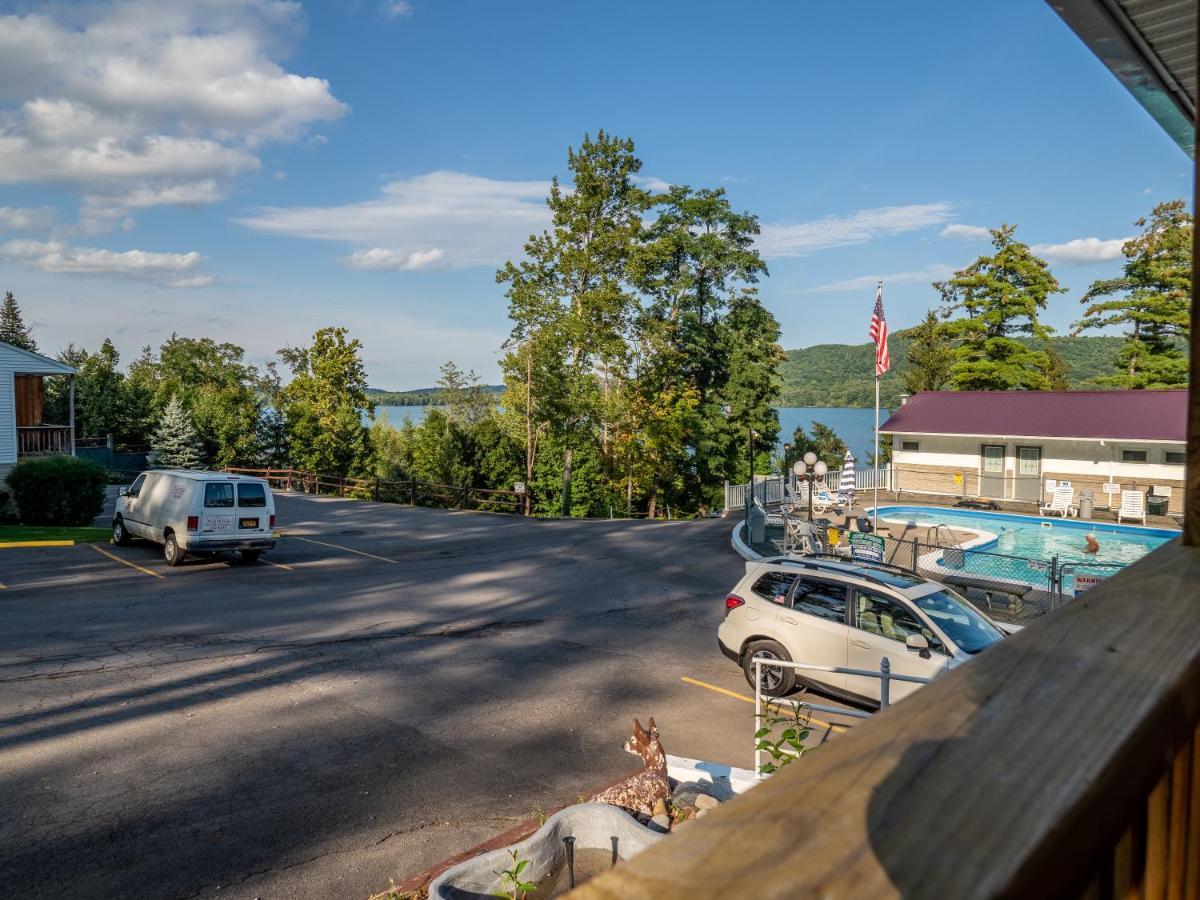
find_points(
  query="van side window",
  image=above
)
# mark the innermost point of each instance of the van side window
(251, 495)
(774, 586)
(820, 599)
(136, 487)
(218, 494)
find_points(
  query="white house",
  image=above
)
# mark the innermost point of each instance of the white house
(23, 428)
(1007, 445)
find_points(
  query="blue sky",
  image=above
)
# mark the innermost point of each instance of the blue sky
(254, 170)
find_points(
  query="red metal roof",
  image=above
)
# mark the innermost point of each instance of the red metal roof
(1116, 415)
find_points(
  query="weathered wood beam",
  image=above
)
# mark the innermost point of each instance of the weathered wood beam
(1191, 500)
(1015, 775)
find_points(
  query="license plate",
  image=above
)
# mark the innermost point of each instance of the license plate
(218, 523)
(248, 523)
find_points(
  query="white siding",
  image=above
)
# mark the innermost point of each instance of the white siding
(8, 418)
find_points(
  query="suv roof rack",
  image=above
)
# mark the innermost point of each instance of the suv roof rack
(839, 564)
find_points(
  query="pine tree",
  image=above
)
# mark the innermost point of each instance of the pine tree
(1002, 295)
(1152, 299)
(930, 356)
(175, 444)
(12, 326)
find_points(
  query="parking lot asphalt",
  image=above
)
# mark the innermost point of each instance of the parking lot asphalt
(388, 686)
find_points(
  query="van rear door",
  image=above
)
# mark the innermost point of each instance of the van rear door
(253, 508)
(219, 516)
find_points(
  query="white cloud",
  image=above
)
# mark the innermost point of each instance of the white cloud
(1081, 251)
(151, 102)
(800, 239)
(394, 9)
(16, 218)
(382, 258)
(469, 220)
(650, 183)
(192, 281)
(58, 257)
(967, 232)
(931, 273)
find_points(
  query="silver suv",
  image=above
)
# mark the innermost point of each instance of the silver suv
(848, 615)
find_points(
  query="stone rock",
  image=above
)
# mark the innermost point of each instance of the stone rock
(706, 802)
(660, 823)
(660, 807)
(686, 793)
(701, 813)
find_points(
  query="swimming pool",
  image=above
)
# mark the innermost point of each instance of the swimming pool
(1032, 538)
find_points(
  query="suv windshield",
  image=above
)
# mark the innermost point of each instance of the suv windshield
(959, 619)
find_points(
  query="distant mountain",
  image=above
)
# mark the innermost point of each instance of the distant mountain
(841, 374)
(416, 397)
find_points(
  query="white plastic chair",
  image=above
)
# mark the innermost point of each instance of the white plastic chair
(1133, 506)
(1061, 504)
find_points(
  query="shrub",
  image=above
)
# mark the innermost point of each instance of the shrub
(58, 490)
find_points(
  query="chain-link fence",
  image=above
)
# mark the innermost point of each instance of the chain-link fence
(1012, 589)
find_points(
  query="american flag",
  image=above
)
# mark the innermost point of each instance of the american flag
(883, 359)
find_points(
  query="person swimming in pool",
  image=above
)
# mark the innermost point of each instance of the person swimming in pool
(1091, 545)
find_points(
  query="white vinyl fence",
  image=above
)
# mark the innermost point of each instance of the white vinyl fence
(770, 490)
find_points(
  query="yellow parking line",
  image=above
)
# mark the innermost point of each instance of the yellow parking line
(275, 564)
(17, 545)
(736, 696)
(295, 537)
(126, 562)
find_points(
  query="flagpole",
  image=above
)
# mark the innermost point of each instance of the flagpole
(875, 461)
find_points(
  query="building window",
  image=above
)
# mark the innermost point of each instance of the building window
(1175, 458)
(910, 446)
(1133, 456)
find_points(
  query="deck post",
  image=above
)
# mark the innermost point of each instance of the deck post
(1191, 475)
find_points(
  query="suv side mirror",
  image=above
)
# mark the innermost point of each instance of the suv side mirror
(916, 642)
(122, 492)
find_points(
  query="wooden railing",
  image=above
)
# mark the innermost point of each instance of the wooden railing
(43, 440)
(1062, 762)
(410, 491)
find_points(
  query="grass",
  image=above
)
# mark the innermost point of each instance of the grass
(10, 534)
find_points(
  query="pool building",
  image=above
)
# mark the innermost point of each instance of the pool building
(1010, 445)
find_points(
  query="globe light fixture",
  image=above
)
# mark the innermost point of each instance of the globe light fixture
(800, 468)
(810, 458)
(810, 469)
(820, 468)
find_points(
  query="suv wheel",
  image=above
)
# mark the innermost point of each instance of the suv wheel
(171, 551)
(777, 681)
(120, 535)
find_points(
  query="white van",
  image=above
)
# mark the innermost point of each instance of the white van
(197, 512)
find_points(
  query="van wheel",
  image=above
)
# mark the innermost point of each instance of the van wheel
(171, 551)
(777, 681)
(120, 535)
(248, 556)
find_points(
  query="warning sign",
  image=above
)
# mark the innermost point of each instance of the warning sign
(867, 547)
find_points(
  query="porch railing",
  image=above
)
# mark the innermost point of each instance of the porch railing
(44, 440)
(771, 490)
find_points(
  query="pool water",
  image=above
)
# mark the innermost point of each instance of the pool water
(1036, 538)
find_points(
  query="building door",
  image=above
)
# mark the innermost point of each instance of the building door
(1029, 474)
(991, 471)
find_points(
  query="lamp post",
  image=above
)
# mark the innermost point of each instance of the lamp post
(810, 469)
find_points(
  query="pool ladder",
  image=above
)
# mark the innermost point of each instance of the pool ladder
(945, 532)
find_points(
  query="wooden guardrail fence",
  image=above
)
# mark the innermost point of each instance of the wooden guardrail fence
(411, 491)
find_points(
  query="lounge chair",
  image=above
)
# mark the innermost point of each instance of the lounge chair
(823, 501)
(1133, 506)
(1061, 504)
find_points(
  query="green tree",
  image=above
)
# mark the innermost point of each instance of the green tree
(465, 398)
(1055, 370)
(324, 403)
(570, 303)
(1151, 300)
(220, 392)
(101, 403)
(12, 327)
(930, 356)
(176, 444)
(824, 442)
(1001, 296)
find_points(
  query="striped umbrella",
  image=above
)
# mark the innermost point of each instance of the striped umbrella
(846, 485)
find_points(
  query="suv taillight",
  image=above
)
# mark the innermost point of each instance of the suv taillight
(193, 523)
(733, 601)
(272, 521)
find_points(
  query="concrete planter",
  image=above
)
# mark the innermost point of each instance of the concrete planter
(593, 825)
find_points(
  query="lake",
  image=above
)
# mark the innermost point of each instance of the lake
(854, 426)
